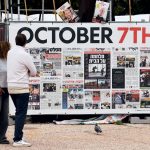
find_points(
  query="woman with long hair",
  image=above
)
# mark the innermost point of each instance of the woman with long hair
(4, 96)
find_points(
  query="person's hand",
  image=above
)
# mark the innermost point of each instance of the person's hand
(1, 91)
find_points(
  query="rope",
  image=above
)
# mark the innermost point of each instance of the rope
(25, 3)
(55, 10)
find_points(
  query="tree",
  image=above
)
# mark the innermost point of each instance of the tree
(121, 7)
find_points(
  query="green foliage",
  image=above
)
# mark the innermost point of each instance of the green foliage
(121, 7)
(118, 10)
(119, 122)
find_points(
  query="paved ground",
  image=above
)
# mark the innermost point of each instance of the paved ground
(83, 137)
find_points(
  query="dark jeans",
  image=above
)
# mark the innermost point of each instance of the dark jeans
(4, 102)
(21, 103)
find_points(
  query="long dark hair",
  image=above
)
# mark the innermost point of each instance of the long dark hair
(4, 48)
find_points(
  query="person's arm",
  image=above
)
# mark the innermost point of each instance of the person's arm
(1, 91)
(30, 65)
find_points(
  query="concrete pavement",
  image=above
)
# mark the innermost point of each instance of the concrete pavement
(83, 137)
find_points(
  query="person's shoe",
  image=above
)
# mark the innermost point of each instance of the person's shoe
(21, 143)
(4, 141)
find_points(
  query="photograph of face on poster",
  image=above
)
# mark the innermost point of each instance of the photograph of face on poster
(67, 13)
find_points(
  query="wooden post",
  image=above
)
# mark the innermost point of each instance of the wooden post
(5, 5)
(25, 3)
(70, 2)
(55, 10)
(130, 10)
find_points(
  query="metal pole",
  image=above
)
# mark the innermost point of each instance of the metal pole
(5, 5)
(110, 10)
(18, 10)
(7, 10)
(11, 10)
(6, 25)
(130, 9)
(42, 10)
(0, 12)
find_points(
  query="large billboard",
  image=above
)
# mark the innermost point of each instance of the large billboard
(87, 68)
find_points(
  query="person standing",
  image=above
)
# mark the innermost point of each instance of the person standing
(19, 67)
(4, 96)
(86, 10)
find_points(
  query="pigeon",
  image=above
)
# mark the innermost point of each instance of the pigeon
(97, 129)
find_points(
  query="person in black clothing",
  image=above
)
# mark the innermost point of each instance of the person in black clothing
(4, 96)
(86, 10)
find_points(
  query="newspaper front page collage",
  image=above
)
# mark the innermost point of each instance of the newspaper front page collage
(94, 78)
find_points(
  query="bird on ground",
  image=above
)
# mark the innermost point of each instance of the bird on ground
(97, 129)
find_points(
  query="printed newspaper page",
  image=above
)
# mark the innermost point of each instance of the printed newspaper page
(93, 78)
(50, 61)
(96, 69)
(97, 99)
(34, 97)
(145, 99)
(67, 13)
(101, 10)
(125, 67)
(51, 97)
(118, 99)
(73, 64)
(133, 99)
(73, 95)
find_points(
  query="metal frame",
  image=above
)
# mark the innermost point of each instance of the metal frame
(43, 10)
